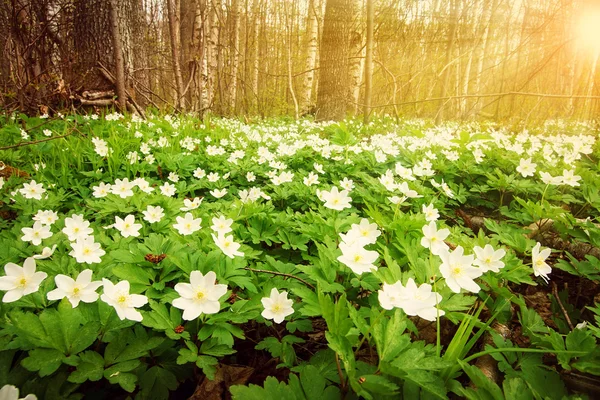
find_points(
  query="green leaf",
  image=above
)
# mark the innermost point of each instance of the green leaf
(208, 365)
(91, 367)
(125, 380)
(157, 382)
(46, 361)
(378, 384)
(482, 382)
(161, 319)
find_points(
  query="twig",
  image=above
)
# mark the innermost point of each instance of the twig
(281, 274)
(34, 142)
(560, 304)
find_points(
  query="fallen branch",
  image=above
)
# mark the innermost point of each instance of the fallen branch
(14, 146)
(264, 271)
(100, 102)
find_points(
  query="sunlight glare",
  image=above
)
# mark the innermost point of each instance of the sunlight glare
(588, 29)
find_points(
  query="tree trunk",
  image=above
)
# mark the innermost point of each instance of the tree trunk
(118, 57)
(368, 62)
(334, 71)
(173, 11)
(312, 47)
(234, 56)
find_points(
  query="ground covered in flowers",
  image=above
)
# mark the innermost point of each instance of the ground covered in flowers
(177, 257)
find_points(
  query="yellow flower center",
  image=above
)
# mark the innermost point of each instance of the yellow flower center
(76, 291)
(23, 282)
(188, 226)
(357, 258)
(200, 295)
(456, 271)
(277, 308)
(87, 251)
(488, 260)
(76, 229)
(122, 299)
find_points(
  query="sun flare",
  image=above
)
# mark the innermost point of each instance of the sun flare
(588, 29)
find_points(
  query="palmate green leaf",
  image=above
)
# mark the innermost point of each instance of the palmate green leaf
(211, 347)
(90, 367)
(389, 335)
(46, 361)
(208, 365)
(156, 383)
(137, 276)
(310, 302)
(165, 320)
(273, 390)
(126, 380)
(378, 384)
(516, 389)
(543, 382)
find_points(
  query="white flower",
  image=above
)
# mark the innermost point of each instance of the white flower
(406, 191)
(36, 234)
(411, 299)
(458, 270)
(188, 224)
(173, 177)
(334, 199)
(569, 178)
(538, 259)
(218, 193)
(551, 180)
(20, 281)
(361, 234)
(347, 184)
(311, 179)
(86, 250)
(33, 190)
(102, 190)
(526, 167)
(434, 239)
(46, 253)
(46, 217)
(277, 306)
(390, 295)
(199, 173)
(75, 290)
(127, 227)
(213, 177)
(76, 227)
(488, 259)
(200, 296)
(358, 259)
(122, 188)
(125, 304)
(221, 225)
(143, 185)
(1, 182)
(47, 132)
(250, 177)
(431, 213)
(153, 214)
(167, 189)
(10, 392)
(319, 168)
(227, 245)
(397, 200)
(191, 204)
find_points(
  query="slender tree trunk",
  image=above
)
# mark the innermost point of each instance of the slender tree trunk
(368, 62)
(235, 56)
(173, 11)
(334, 71)
(255, 51)
(118, 57)
(312, 33)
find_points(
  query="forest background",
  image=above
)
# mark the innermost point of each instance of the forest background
(457, 59)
